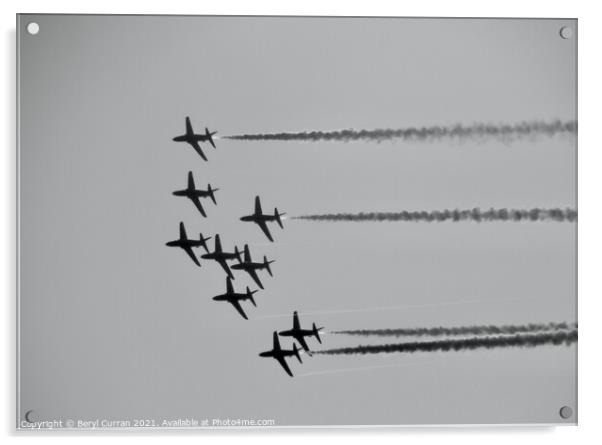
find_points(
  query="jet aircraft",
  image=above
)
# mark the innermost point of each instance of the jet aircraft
(299, 334)
(193, 194)
(279, 354)
(251, 268)
(187, 244)
(193, 139)
(234, 298)
(261, 219)
(222, 257)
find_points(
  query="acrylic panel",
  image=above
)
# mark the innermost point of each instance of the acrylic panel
(383, 208)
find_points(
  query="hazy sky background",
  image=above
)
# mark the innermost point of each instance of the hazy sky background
(114, 325)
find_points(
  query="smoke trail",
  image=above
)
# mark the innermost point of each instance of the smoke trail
(519, 340)
(476, 215)
(461, 330)
(503, 132)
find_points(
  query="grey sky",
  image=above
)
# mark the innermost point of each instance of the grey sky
(115, 325)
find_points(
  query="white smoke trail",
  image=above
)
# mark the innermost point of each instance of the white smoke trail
(474, 215)
(503, 132)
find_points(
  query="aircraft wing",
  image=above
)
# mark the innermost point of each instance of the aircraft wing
(237, 306)
(218, 243)
(296, 325)
(197, 203)
(197, 148)
(225, 266)
(302, 342)
(262, 224)
(247, 254)
(191, 254)
(229, 288)
(283, 363)
(190, 181)
(188, 126)
(253, 275)
(182, 231)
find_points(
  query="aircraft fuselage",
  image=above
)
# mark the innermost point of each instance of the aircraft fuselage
(183, 243)
(277, 353)
(219, 256)
(249, 266)
(231, 297)
(258, 218)
(191, 137)
(297, 333)
(192, 193)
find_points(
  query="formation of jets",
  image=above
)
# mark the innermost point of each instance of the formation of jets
(299, 334)
(243, 263)
(219, 255)
(222, 257)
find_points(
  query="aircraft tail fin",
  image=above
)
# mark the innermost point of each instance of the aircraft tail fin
(209, 137)
(204, 242)
(211, 192)
(267, 263)
(316, 332)
(250, 295)
(296, 352)
(277, 216)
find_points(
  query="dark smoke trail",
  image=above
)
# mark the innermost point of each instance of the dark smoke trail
(461, 330)
(520, 340)
(476, 215)
(504, 132)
